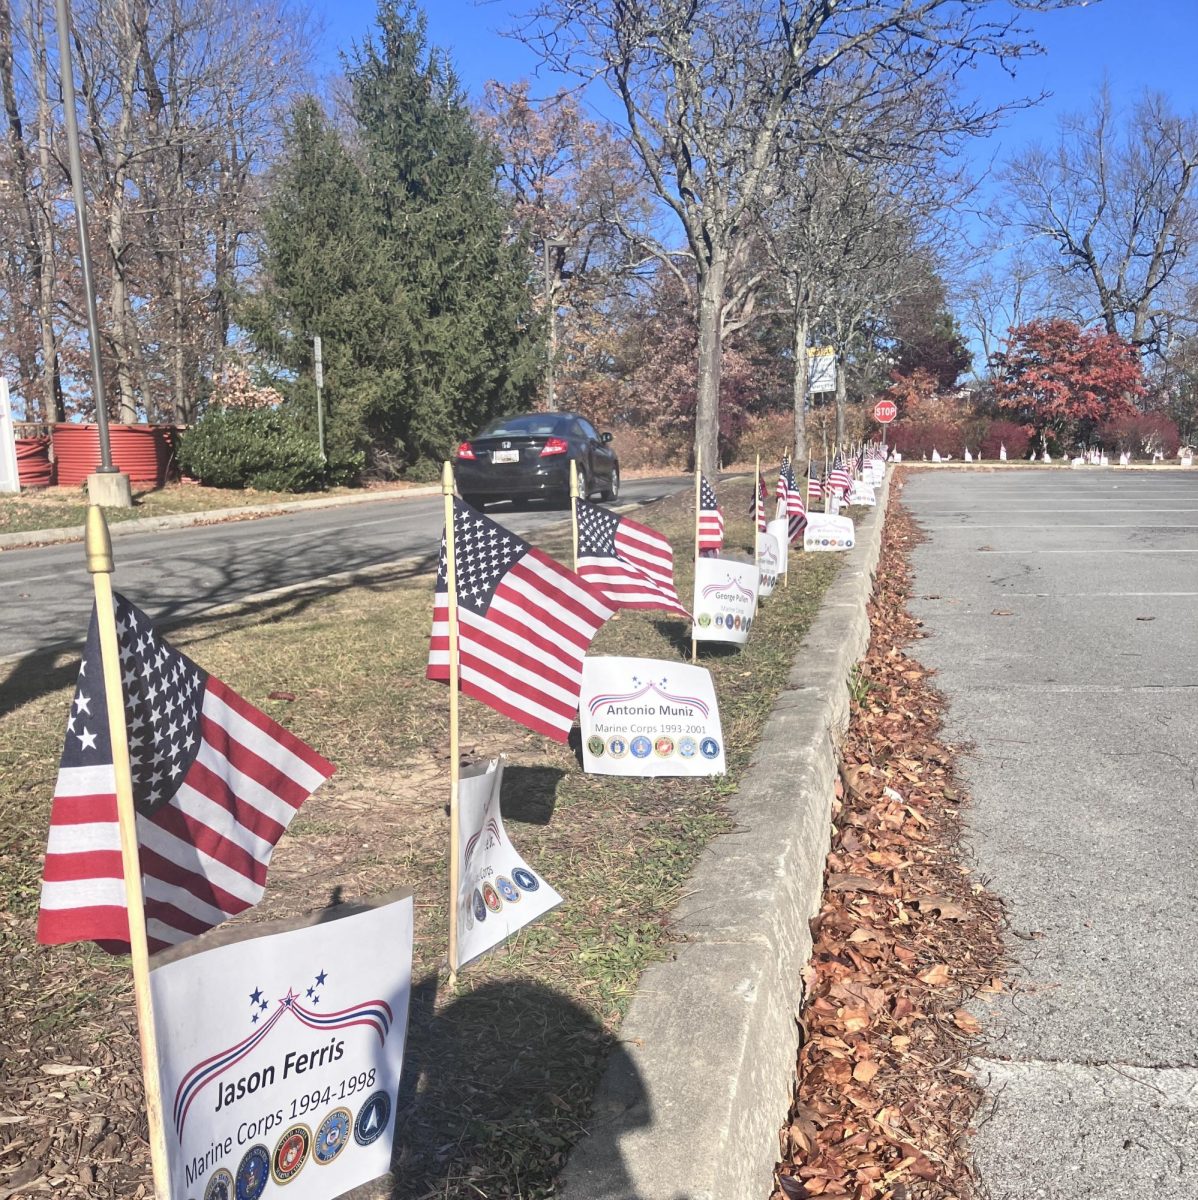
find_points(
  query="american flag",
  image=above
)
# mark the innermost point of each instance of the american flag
(711, 519)
(839, 479)
(631, 564)
(758, 502)
(859, 462)
(791, 500)
(815, 486)
(215, 784)
(524, 625)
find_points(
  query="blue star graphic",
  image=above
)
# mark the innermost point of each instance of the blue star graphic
(254, 1018)
(262, 1006)
(310, 991)
(315, 999)
(320, 979)
(255, 995)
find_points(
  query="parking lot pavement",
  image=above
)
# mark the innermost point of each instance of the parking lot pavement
(1062, 617)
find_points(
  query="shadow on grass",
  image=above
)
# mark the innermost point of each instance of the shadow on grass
(497, 1088)
(529, 793)
(39, 672)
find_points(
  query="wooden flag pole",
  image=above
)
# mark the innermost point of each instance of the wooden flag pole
(758, 513)
(451, 597)
(698, 504)
(574, 509)
(98, 547)
(827, 470)
(786, 575)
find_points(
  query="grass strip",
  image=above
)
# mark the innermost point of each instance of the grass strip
(498, 1077)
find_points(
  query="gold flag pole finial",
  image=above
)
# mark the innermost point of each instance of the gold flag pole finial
(451, 599)
(97, 542)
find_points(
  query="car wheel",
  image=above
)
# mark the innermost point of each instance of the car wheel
(612, 491)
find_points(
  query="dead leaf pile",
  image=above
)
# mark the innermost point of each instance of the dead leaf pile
(905, 940)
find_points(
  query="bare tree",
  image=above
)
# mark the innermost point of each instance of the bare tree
(706, 86)
(1114, 214)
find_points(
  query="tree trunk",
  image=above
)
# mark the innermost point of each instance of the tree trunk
(707, 397)
(841, 399)
(801, 380)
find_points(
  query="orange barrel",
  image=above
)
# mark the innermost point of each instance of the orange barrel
(143, 452)
(34, 468)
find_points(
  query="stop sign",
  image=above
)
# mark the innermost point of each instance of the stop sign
(885, 411)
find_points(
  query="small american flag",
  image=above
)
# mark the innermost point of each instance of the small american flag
(839, 480)
(524, 625)
(791, 500)
(215, 784)
(757, 504)
(631, 564)
(815, 486)
(711, 519)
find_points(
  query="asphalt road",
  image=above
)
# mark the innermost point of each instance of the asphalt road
(45, 593)
(1061, 608)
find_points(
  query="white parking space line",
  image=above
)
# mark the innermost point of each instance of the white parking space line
(1050, 525)
(1100, 551)
(1115, 595)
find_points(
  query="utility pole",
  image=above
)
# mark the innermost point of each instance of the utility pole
(549, 244)
(319, 365)
(107, 485)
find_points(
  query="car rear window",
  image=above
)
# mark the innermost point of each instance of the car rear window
(534, 425)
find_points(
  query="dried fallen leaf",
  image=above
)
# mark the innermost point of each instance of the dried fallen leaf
(1145, 618)
(865, 1071)
(948, 908)
(935, 976)
(280, 695)
(965, 1021)
(1002, 612)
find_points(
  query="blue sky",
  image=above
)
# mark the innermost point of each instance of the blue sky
(1134, 43)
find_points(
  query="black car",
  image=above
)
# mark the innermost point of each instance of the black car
(528, 456)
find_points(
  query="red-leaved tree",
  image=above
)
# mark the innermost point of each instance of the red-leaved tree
(1062, 382)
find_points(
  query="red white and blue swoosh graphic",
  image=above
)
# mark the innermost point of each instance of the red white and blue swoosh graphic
(627, 697)
(491, 827)
(374, 1014)
(730, 585)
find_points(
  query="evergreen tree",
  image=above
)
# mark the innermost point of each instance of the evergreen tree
(400, 256)
(323, 273)
(460, 279)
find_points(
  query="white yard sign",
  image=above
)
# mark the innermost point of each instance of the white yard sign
(780, 529)
(826, 532)
(280, 1051)
(769, 563)
(863, 494)
(644, 716)
(725, 603)
(498, 892)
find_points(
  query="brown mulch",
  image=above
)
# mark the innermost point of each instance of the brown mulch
(907, 943)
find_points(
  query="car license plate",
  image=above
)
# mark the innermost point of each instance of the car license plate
(502, 456)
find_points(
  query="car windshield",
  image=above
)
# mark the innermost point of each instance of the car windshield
(532, 425)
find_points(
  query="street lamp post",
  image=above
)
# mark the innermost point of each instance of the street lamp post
(551, 308)
(107, 485)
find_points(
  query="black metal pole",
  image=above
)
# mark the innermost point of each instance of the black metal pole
(67, 71)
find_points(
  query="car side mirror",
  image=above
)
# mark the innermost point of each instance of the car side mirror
(605, 438)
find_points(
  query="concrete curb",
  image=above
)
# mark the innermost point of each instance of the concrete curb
(212, 516)
(690, 1106)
